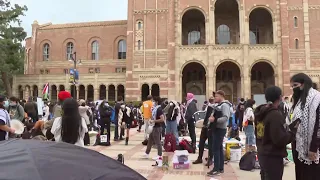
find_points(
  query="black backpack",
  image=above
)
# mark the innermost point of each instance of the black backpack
(248, 161)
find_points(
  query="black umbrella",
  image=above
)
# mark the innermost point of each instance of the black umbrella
(46, 160)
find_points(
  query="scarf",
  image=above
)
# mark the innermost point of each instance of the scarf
(188, 102)
(306, 127)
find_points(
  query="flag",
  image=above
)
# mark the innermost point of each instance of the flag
(45, 92)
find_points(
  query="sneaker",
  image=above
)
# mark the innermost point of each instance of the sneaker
(156, 158)
(213, 173)
(145, 156)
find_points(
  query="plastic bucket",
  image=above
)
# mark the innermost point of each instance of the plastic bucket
(235, 153)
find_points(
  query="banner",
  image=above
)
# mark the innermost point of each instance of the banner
(74, 76)
(71, 76)
(45, 92)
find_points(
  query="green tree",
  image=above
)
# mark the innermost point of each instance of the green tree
(11, 37)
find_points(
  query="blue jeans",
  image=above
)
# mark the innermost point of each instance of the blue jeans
(172, 127)
(250, 137)
(218, 156)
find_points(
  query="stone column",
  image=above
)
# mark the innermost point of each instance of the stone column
(150, 90)
(116, 94)
(107, 94)
(31, 91)
(77, 92)
(212, 25)
(85, 93)
(95, 94)
(243, 32)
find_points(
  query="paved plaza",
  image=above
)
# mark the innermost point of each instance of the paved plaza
(134, 151)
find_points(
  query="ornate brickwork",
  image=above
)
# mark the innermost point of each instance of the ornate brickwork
(160, 46)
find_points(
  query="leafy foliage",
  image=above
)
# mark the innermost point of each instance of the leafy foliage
(11, 36)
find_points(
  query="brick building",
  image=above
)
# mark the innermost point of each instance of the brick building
(170, 47)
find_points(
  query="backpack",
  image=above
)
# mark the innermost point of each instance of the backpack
(248, 161)
(185, 145)
(169, 143)
(102, 140)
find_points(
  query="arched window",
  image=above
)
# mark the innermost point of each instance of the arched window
(223, 34)
(139, 25)
(296, 43)
(69, 50)
(194, 37)
(122, 49)
(139, 45)
(95, 50)
(46, 49)
(295, 21)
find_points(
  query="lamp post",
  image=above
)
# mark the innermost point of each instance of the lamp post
(75, 62)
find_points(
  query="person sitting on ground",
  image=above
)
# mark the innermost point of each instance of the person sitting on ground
(15, 110)
(70, 127)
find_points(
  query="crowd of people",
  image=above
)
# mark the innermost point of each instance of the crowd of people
(268, 128)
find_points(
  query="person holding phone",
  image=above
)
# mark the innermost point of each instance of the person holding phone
(305, 122)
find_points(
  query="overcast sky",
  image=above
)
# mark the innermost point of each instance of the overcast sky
(68, 11)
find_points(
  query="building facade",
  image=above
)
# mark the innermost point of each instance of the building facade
(171, 47)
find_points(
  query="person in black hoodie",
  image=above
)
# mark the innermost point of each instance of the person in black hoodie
(105, 112)
(272, 135)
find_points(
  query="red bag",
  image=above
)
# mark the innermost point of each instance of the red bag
(169, 143)
(184, 144)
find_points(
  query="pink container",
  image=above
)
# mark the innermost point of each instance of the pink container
(186, 165)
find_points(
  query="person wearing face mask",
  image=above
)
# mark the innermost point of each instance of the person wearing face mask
(305, 122)
(105, 112)
(15, 110)
(4, 121)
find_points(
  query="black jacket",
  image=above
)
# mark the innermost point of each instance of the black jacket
(191, 109)
(272, 132)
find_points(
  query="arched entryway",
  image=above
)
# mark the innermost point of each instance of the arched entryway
(35, 92)
(260, 26)
(54, 93)
(62, 88)
(120, 90)
(111, 93)
(82, 92)
(20, 92)
(73, 90)
(155, 90)
(226, 14)
(90, 93)
(193, 27)
(228, 79)
(145, 90)
(262, 77)
(27, 92)
(102, 92)
(193, 79)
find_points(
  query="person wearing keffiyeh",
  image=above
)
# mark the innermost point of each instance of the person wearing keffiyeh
(306, 120)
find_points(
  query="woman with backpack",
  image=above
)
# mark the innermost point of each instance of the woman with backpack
(248, 121)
